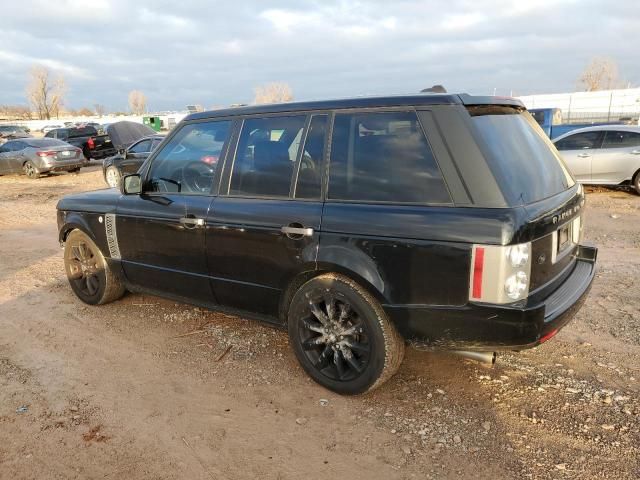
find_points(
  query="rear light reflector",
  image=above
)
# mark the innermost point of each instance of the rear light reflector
(548, 336)
(46, 154)
(90, 143)
(478, 267)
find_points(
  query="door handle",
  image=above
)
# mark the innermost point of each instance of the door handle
(297, 231)
(192, 221)
(584, 155)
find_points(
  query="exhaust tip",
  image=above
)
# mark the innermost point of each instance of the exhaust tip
(484, 357)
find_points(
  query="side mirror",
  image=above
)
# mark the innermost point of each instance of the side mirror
(131, 185)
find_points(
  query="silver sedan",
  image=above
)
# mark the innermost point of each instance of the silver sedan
(35, 156)
(603, 155)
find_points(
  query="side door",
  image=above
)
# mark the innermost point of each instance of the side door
(6, 151)
(579, 151)
(264, 229)
(619, 157)
(17, 156)
(161, 232)
(135, 156)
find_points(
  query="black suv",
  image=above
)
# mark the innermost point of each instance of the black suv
(445, 221)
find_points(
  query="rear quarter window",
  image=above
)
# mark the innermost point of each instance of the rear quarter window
(523, 160)
(383, 157)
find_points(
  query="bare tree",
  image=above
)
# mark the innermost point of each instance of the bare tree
(15, 112)
(137, 102)
(100, 109)
(600, 74)
(277, 92)
(85, 112)
(45, 93)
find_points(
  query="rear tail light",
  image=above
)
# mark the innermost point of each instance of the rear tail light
(500, 274)
(90, 143)
(46, 154)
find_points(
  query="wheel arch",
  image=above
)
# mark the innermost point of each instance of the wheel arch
(321, 268)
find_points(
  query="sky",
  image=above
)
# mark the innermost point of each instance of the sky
(215, 53)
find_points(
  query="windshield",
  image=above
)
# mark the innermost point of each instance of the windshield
(524, 161)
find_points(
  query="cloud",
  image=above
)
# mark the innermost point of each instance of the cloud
(215, 53)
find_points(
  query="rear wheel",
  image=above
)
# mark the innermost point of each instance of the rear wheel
(113, 176)
(30, 170)
(90, 276)
(636, 182)
(74, 170)
(342, 336)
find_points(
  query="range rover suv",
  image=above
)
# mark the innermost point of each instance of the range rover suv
(438, 220)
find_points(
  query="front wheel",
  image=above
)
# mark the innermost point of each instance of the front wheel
(341, 335)
(113, 177)
(90, 276)
(636, 182)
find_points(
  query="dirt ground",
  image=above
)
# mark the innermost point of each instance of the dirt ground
(144, 388)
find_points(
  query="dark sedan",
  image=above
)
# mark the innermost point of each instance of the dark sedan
(129, 161)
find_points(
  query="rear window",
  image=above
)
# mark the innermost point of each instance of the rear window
(82, 132)
(525, 163)
(46, 142)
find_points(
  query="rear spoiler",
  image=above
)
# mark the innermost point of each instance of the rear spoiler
(467, 99)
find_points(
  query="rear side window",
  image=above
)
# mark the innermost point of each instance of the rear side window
(621, 139)
(266, 154)
(523, 160)
(383, 157)
(82, 132)
(310, 169)
(580, 141)
(47, 142)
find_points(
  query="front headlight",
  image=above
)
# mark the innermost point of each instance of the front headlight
(516, 285)
(518, 255)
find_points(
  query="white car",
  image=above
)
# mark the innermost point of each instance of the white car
(603, 155)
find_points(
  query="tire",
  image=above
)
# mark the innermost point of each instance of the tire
(90, 276)
(112, 176)
(87, 153)
(74, 170)
(30, 170)
(636, 182)
(341, 335)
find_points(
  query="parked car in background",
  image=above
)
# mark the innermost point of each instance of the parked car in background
(87, 139)
(47, 128)
(446, 221)
(130, 160)
(603, 155)
(37, 156)
(9, 132)
(550, 120)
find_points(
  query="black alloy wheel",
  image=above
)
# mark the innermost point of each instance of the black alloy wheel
(342, 336)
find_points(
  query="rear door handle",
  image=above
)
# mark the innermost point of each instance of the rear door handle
(584, 155)
(192, 221)
(297, 231)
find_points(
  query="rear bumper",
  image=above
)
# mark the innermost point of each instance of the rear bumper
(485, 327)
(62, 166)
(100, 154)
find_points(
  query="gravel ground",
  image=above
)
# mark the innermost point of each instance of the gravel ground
(145, 388)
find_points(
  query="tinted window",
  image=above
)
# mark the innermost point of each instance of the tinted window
(621, 139)
(383, 157)
(10, 147)
(310, 169)
(141, 147)
(82, 132)
(525, 163)
(265, 157)
(580, 141)
(188, 162)
(538, 116)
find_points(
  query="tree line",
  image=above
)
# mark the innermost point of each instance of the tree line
(45, 93)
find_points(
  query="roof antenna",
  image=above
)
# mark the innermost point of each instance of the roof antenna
(434, 89)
